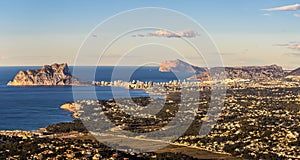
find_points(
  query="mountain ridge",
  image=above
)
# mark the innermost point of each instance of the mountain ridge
(267, 72)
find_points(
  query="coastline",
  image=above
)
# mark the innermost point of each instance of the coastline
(70, 107)
(236, 105)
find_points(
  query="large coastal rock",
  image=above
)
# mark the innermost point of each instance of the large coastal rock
(179, 66)
(249, 72)
(55, 74)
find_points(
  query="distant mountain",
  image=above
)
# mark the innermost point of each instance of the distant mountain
(242, 72)
(293, 75)
(255, 72)
(248, 72)
(180, 66)
(55, 74)
(295, 72)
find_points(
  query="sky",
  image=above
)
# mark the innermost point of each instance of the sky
(256, 32)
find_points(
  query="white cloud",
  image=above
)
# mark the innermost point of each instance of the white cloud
(297, 15)
(292, 54)
(266, 14)
(294, 7)
(168, 34)
(282, 44)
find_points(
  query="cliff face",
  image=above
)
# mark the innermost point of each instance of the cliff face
(249, 72)
(179, 66)
(55, 74)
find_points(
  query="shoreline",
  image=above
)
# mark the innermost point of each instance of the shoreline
(70, 107)
(260, 90)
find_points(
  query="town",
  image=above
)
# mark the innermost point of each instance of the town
(258, 120)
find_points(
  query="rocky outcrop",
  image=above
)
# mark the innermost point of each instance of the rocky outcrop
(71, 107)
(179, 66)
(248, 72)
(48, 75)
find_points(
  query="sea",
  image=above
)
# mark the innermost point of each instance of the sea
(31, 108)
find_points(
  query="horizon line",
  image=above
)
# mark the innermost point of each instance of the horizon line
(147, 66)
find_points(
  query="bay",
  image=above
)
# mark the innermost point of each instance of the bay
(30, 108)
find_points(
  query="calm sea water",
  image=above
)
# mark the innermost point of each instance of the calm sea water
(30, 108)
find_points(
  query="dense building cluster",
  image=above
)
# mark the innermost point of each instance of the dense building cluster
(256, 123)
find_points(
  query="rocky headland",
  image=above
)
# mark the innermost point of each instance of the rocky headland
(48, 75)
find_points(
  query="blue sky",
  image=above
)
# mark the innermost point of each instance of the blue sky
(41, 32)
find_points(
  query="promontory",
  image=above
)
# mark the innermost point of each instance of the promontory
(180, 66)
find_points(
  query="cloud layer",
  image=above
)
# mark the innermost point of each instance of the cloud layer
(294, 7)
(295, 46)
(290, 45)
(168, 34)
